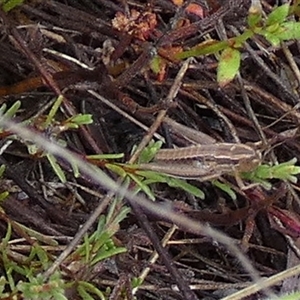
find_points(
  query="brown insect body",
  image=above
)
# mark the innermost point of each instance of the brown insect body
(205, 162)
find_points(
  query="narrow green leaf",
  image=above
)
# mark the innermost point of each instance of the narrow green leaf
(59, 295)
(84, 294)
(278, 15)
(182, 184)
(225, 188)
(142, 186)
(239, 40)
(56, 168)
(155, 177)
(3, 108)
(53, 110)
(101, 241)
(205, 48)
(107, 254)
(228, 66)
(116, 169)
(122, 215)
(7, 237)
(86, 249)
(86, 286)
(39, 236)
(10, 113)
(81, 119)
(3, 283)
(75, 169)
(42, 255)
(106, 156)
(2, 169)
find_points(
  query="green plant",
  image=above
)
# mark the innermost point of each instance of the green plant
(283, 171)
(8, 5)
(99, 245)
(275, 28)
(31, 284)
(96, 248)
(29, 267)
(49, 126)
(36, 288)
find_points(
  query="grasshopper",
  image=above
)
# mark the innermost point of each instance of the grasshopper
(205, 162)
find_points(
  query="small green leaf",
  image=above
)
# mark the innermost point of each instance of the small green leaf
(121, 216)
(33, 149)
(289, 31)
(239, 40)
(56, 168)
(263, 172)
(151, 175)
(86, 286)
(105, 156)
(81, 119)
(83, 293)
(273, 28)
(107, 254)
(278, 15)
(155, 64)
(267, 185)
(225, 188)
(42, 255)
(10, 113)
(271, 38)
(3, 283)
(141, 185)
(2, 169)
(136, 282)
(149, 152)
(182, 184)
(53, 110)
(116, 169)
(283, 171)
(228, 66)
(155, 177)
(3, 195)
(254, 17)
(205, 48)
(3, 108)
(75, 169)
